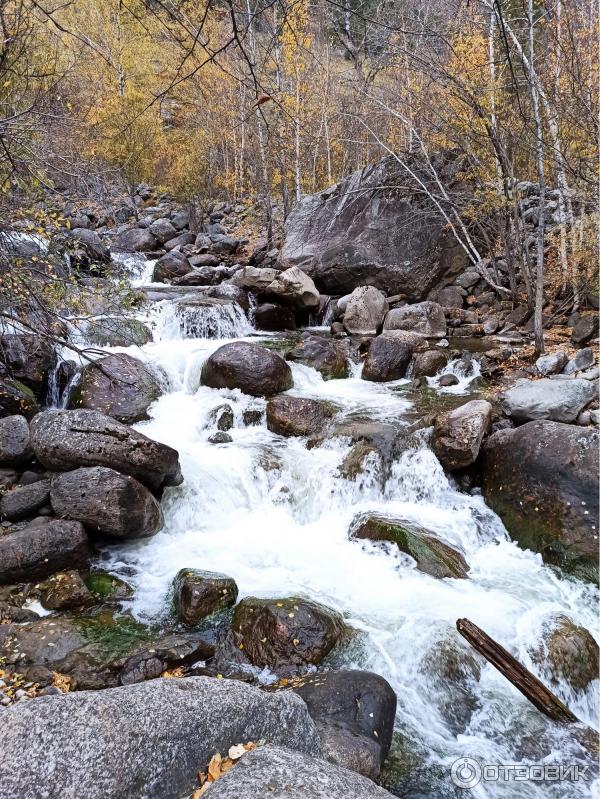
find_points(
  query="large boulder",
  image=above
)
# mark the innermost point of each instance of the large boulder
(425, 318)
(41, 548)
(170, 266)
(585, 329)
(119, 386)
(432, 556)
(24, 501)
(354, 712)
(280, 773)
(106, 501)
(92, 245)
(542, 480)
(146, 740)
(296, 416)
(285, 634)
(198, 594)
(365, 311)
(375, 228)
(293, 287)
(254, 278)
(27, 358)
(163, 230)
(568, 653)
(552, 364)
(15, 446)
(136, 239)
(16, 399)
(557, 400)
(323, 354)
(253, 369)
(389, 355)
(63, 440)
(428, 363)
(457, 435)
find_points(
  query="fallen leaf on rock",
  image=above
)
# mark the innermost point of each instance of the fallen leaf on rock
(61, 681)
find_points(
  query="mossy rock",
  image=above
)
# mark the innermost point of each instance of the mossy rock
(106, 586)
(112, 636)
(433, 557)
(117, 332)
(17, 398)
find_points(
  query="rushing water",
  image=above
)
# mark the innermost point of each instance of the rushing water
(275, 514)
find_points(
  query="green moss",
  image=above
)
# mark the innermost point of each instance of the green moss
(112, 636)
(105, 585)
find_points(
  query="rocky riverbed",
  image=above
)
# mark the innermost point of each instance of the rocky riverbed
(243, 480)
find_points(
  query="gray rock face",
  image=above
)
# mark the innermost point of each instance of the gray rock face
(428, 363)
(457, 435)
(14, 440)
(284, 774)
(23, 501)
(365, 311)
(389, 356)
(141, 741)
(106, 501)
(294, 287)
(557, 400)
(64, 440)
(542, 480)
(322, 354)
(41, 548)
(27, 358)
(551, 364)
(135, 240)
(425, 318)
(583, 360)
(92, 244)
(253, 369)
(119, 386)
(180, 241)
(374, 228)
(354, 712)
(585, 329)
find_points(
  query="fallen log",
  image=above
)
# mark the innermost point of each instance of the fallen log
(532, 688)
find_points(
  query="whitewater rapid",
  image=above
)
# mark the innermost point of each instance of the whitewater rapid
(274, 515)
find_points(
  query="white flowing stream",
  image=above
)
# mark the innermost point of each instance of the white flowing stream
(274, 515)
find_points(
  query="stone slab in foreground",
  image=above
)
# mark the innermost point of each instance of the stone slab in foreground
(146, 741)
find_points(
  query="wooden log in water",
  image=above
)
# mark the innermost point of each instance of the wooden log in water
(532, 688)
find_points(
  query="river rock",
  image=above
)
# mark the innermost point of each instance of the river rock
(557, 400)
(65, 440)
(365, 311)
(374, 228)
(285, 634)
(269, 316)
(135, 240)
(65, 591)
(568, 653)
(163, 230)
(428, 363)
(15, 446)
(119, 386)
(253, 369)
(425, 318)
(280, 773)
(170, 266)
(583, 360)
(41, 548)
(585, 329)
(382, 436)
(199, 594)
(92, 245)
(254, 278)
(106, 501)
(323, 354)
(294, 287)
(552, 364)
(150, 739)
(432, 556)
(27, 358)
(25, 500)
(117, 332)
(296, 416)
(362, 458)
(354, 712)
(16, 399)
(389, 356)
(542, 480)
(457, 435)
